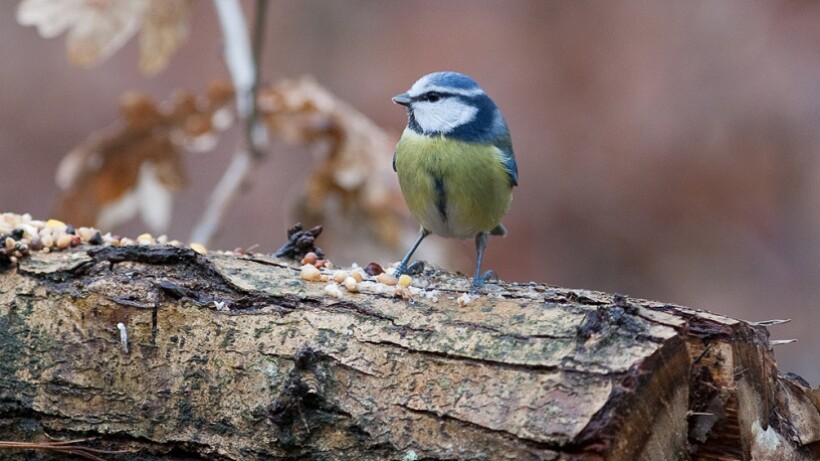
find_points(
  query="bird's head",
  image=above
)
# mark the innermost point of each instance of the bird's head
(451, 104)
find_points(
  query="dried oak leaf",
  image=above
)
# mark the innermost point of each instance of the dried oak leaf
(352, 189)
(165, 29)
(135, 166)
(98, 28)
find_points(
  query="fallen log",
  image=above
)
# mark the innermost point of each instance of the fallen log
(169, 354)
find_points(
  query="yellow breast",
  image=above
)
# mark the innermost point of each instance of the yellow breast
(471, 177)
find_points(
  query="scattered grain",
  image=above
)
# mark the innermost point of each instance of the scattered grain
(386, 279)
(310, 273)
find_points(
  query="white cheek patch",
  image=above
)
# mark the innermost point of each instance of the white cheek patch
(443, 116)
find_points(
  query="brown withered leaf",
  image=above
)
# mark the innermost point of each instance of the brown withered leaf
(98, 28)
(352, 189)
(165, 29)
(135, 166)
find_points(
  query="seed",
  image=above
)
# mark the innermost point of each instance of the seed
(339, 276)
(85, 233)
(351, 284)
(386, 279)
(310, 273)
(373, 269)
(334, 291)
(324, 263)
(36, 244)
(30, 231)
(310, 258)
(64, 241)
(198, 247)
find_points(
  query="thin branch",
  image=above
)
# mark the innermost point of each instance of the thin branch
(243, 63)
(255, 134)
(237, 53)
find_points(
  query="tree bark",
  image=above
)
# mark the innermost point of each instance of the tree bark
(236, 358)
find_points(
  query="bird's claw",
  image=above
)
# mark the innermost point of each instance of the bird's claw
(416, 268)
(479, 281)
(413, 269)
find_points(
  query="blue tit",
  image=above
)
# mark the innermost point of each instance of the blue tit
(455, 163)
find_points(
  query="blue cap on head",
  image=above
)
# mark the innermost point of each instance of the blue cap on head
(452, 80)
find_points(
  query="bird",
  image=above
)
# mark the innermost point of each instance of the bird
(455, 164)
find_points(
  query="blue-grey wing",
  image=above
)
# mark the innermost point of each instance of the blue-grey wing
(508, 158)
(511, 166)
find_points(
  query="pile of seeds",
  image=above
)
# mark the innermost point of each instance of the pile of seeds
(20, 235)
(355, 279)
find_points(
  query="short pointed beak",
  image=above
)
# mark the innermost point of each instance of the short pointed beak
(403, 99)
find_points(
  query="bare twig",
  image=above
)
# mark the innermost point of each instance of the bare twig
(237, 53)
(243, 64)
(255, 134)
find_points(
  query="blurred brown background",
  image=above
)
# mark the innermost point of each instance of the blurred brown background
(667, 150)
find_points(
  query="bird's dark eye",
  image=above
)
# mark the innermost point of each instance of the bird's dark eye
(432, 96)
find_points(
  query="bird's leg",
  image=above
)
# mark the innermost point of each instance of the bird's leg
(402, 268)
(480, 279)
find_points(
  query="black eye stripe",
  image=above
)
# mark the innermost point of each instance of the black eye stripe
(432, 96)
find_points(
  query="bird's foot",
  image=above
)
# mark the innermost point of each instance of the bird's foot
(479, 281)
(416, 268)
(413, 269)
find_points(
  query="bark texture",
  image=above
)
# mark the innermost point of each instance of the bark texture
(236, 358)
